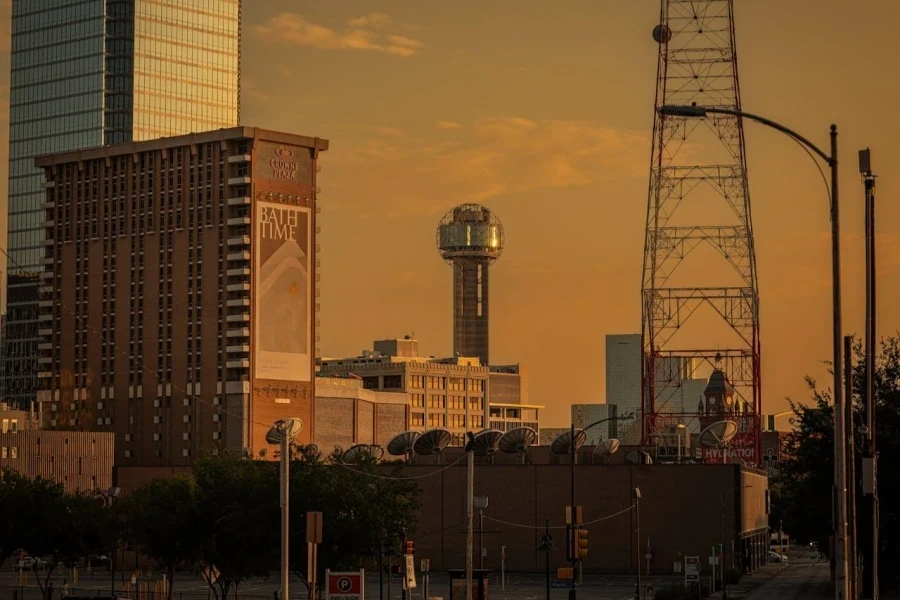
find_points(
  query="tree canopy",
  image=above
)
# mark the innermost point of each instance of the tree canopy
(802, 491)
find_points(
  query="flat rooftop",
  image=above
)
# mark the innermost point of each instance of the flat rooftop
(204, 137)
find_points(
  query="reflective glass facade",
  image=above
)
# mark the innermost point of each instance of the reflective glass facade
(93, 72)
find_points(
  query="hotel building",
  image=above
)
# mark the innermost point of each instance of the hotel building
(177, 303)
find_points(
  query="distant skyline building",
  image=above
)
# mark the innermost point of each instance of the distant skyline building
(91, 72)
(678, 387)
(470, 238)
(457, 393)
(178, 291)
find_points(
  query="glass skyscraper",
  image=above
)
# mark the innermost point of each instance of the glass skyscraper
(92, 72)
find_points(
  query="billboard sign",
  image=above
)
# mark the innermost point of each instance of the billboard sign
(283, 292)
(349, 585)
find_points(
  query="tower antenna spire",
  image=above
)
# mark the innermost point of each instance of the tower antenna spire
(700, 299)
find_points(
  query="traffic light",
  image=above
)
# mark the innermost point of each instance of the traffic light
(581, 543)
(410, 547)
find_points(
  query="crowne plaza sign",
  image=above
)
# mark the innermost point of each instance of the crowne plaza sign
(283, 162)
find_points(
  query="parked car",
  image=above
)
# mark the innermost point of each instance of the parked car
(779, 558)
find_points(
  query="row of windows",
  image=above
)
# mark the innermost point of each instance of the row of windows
(225, 41)
(59, 70)
(89, 138)
(57, 125)
(441, 383)
(50, 7)
(79, 84)
(223, 19)
(58, 52)
(49, 108)
(144, 63)
(85, 27)
(215, 104)
(182, 47)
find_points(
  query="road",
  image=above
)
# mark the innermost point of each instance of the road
(802, 580)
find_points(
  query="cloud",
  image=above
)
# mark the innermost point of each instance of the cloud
(294, 29)
(498, 156)
(372, 19)
(447, 125)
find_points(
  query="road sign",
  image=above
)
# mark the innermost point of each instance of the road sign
(692, 569)
(410, 571)
(425, 565)
(559, 585)
(347, 585)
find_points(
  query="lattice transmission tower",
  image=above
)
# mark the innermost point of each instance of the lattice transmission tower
(699, 292)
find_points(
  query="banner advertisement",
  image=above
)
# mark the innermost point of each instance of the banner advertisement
(283, 292)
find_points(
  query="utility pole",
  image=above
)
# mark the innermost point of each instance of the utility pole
(852, 561)
(470, 511)
(637, 538)
(571, 539)
(870, 455)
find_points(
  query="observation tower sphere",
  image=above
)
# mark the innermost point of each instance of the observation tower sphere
(470, 238)
(470, 232)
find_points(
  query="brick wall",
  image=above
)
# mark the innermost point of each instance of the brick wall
(392, 419)
(680, 510)
(334, 423)
(365, 425)
(79, 460)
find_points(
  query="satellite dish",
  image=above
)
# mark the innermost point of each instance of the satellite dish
(517, 441)
(432, 441)
(638, 457)
(563, 442)
(718, 434)
(607, 448)
(289, 427)
(362, 452)
(486, 441)
(662, 34)
(402, 443)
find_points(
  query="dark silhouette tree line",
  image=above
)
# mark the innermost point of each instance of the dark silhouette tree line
(222, 521)
(802, 490)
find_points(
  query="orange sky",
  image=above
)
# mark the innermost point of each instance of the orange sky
(543, 112)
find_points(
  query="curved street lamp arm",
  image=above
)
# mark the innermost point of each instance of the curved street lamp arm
(739, 113)
(627, 417)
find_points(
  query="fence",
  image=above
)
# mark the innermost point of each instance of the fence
(74, 593)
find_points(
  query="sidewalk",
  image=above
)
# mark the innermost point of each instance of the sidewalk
(748, 583)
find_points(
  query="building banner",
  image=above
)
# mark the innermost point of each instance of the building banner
(282, 292)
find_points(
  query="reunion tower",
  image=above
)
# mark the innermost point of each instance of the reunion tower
(470, 238)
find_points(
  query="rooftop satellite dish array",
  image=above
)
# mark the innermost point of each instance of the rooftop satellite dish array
(487, 442)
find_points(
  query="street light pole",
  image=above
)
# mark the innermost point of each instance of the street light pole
(870, 483)
(282, 433)
(637, 536)
(840, 433)
(572, 525)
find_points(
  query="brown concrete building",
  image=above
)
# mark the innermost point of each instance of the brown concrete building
(345, 413)
(178, 297)
(459, 394)
(13, 420)
(79, 460)
(681, 511)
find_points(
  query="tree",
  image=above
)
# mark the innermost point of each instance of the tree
(236, 520)
(364, 509)
(14, 490)
(160, 519)
(804, 484)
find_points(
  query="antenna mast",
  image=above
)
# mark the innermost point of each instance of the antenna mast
(700, 297)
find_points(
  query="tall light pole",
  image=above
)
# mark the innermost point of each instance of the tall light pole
(870, 483)
(283, 433)
(470, 511)
(840, 433)
(636, 496)
(573, 524)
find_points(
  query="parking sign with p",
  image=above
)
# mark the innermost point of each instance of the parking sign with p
(345, 585)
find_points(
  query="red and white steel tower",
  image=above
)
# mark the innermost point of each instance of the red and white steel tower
(699, 293)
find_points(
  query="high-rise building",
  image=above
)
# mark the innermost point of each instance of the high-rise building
(178, 291)
(91, 72)
(470, 238)
(677, 382)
